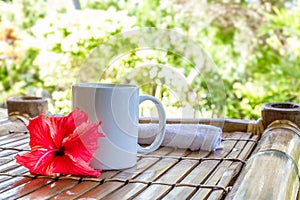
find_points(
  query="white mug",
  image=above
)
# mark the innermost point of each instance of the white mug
(117, 106)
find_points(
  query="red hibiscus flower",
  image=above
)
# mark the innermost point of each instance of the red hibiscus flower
(61, 145)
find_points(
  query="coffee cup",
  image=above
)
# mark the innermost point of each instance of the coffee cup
(117, 107)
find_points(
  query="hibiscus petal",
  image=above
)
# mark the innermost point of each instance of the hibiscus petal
(79, 117)
(83, 144)
(62, 127)
(39, 133)
(65, 165)
(42, 158)
(48, 164)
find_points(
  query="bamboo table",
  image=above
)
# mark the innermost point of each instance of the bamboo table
(167, 173)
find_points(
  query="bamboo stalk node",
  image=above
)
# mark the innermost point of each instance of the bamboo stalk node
(280, 111)
(27, 106)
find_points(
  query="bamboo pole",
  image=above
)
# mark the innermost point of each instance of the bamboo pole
(227, 125)
(272, 172)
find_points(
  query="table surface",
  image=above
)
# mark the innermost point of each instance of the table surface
(167, 173)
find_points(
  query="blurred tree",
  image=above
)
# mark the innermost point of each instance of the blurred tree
(254, 43)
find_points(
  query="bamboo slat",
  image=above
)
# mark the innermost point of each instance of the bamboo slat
(154, 171)
(51, 190)
(233, 170)
(77, 190)
(196, 176)
(25, 188)
(218, 177)
(13, 189)
(165, 173)
(157, 171)
(172, 176)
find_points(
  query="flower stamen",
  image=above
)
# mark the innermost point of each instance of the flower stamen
(60, 152)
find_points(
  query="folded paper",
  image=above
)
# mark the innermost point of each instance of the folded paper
(186, 136)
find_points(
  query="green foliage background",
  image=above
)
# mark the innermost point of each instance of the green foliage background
(255, 46)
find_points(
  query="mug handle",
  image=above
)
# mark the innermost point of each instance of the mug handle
(162, 125)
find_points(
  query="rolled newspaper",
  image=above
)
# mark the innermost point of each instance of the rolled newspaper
(186, 136)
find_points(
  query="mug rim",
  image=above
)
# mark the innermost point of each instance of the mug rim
(104, 85)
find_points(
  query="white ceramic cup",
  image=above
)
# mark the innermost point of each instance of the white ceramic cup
(117, 106)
